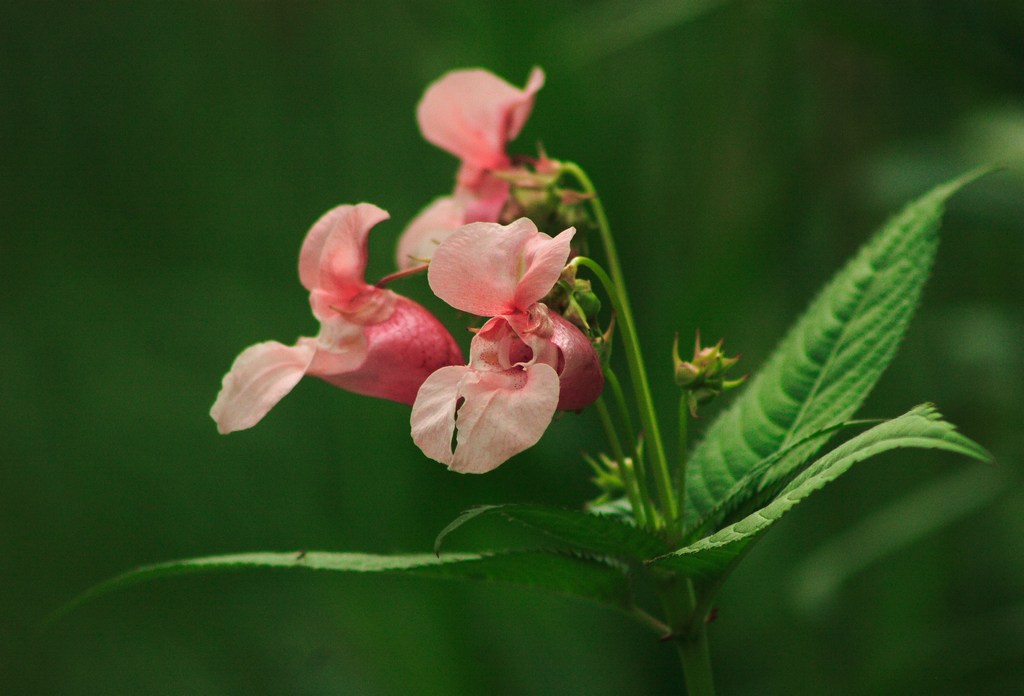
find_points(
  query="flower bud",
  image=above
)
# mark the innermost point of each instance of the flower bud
(702, 378)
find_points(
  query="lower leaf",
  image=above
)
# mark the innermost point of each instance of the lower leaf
(576, 576)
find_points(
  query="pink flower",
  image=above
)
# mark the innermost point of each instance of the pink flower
(472, 114)
(525, 362)
(371, 341)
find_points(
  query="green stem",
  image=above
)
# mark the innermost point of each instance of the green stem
(609, 428)
(689, 633)
(603, 228)
(612, 380)
(638, 374)
(628, 479)
(644, 401)
(650, 515)
(696, 660)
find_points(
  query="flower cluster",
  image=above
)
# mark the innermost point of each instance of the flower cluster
(526, 361)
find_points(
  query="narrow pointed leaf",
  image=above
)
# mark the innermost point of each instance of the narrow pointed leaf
(560, 573)
(764, 481)
(829, 361)
(600, 534)
(921, 427)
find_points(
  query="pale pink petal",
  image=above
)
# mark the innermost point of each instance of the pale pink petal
(333, 255)
(579, 370)
(481, 266)
(341, 346)
(474, 113)
(433, 225)
(313, 245)
(503, 414)
(433, 413)
(520, 111)
(401, 353)
(260, 376)
(496, 407)
(543, 259)
(476, 269)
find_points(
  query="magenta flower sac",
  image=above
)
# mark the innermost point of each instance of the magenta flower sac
(525, 363)
(371, 340)
(472, 114)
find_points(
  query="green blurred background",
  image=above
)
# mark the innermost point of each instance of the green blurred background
(160, 164)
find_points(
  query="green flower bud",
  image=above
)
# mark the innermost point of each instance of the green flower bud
(702, 377)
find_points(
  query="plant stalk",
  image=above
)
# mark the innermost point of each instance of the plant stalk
(689, 633)
(625, 470)
(644, 401)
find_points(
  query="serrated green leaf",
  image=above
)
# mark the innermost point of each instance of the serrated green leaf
(764, 481)
(555, 572)
(600, 534)
(922, 427)
(832, 357)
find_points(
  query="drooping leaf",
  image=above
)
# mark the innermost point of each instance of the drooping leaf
(831, 358)
(600, 534)
(555, 572)
(922, 427)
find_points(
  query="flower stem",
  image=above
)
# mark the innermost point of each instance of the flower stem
(649, 514)
(603, 228)
(609, 429)
(404, 273)
(638, 374)
(626, 471)
(644, 401)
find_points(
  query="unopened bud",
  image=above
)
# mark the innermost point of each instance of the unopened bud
(702, 377)
(586, 299)
(574, 299)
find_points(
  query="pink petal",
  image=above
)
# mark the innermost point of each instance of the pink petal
(433, 413)
(260, 376)
(401, 353)
(501, 414)
(333, 255)
(433, 225)
(579, 372)
(518, 114)
(489, 269)
(341, 346)
(543, 258)
(474, 113)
